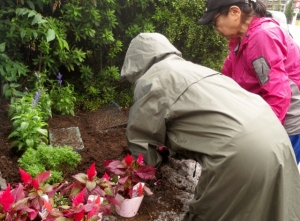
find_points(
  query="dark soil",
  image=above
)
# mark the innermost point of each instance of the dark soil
(103, 137)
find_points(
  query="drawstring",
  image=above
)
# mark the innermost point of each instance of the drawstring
(195, 169)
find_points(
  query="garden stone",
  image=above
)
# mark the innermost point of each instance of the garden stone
(66, 137)
(3, 184)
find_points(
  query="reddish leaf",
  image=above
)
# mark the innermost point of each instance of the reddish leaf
(91, 172)
(31, 213)
(113, 200)
(43, 176)
(146, 172)
(37, 203)
(122, 180)
(25, 177)
(18, 192)
(47, 205)
(93, 212)
(128, 159)
(140, 159)
(106, 162)
(6, 199)
(116, 167)
(21, 204)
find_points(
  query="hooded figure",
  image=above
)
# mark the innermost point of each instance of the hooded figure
(249, 172)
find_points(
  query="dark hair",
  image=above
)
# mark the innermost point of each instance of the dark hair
(254, 8)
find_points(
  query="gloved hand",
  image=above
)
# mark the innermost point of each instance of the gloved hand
(164, 152)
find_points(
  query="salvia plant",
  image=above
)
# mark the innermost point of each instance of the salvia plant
(28, 124)
(63, 96)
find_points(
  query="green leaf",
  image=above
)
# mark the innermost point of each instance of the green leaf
(66, 45)
(81, 177)
(24, 126)
(18, 93)
(43, 131)
(22, 33)
(21, 11)
(14, 85)
(31, 5)
(2, 47)
(31, 13)
(90, 185)
(50, 35)
(14, 134)
(34, 34)
(29, 142)
(36, 19)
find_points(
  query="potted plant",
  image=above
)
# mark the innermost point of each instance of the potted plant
(130, 175)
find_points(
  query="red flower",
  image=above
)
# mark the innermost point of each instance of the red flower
(128, 159)
(6, 199)
(25, 177)
(79, 198)
(91, 172)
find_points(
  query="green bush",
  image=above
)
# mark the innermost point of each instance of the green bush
(59, 160)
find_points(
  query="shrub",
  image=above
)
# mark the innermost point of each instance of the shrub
(59, 160)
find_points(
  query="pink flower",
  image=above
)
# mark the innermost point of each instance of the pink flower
(140, 159)
(128, 159)
(105, 176)
(25, 177)
(79, 198)
(35, 184)
(6, 199)
(91, 172)
(79, 216)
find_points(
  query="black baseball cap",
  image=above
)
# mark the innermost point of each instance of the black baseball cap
(212, 7)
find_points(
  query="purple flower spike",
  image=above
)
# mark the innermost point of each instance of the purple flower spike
(36, 98)
(59, 76)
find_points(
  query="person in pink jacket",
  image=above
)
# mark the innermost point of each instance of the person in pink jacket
(263, 58)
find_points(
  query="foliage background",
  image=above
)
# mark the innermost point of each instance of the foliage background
(86, 42)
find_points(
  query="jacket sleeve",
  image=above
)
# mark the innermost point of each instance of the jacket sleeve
(146, 127)
(227, 67)
(266, 56)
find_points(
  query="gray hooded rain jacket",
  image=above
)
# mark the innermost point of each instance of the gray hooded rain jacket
(249, 171)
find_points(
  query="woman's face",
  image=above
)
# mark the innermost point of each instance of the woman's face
(228, 25)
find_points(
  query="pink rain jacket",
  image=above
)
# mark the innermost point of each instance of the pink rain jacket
(267, 62)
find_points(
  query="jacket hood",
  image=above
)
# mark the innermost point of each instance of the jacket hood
(145, 50)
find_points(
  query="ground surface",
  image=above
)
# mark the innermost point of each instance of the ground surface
(103, 136)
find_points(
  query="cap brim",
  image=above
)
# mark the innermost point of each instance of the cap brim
(207, 18)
